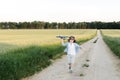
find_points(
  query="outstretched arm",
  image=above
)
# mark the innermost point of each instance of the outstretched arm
(63, 43)
(78, 46)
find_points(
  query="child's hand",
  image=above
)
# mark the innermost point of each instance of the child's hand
(62, 40)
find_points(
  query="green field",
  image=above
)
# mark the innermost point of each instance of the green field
(112, 38)
(25, 52)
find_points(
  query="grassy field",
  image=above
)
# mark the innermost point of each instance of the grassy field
(23, 37)
(24, 52)
(111, 33)
(10, 39)
(112, 38)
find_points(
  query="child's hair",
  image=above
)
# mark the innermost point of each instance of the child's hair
(72, 37)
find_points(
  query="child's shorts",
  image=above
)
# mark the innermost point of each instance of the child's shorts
(71, 58)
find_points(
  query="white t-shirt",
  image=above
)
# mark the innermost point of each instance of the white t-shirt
(71, 48)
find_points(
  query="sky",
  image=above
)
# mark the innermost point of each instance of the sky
(59, 10)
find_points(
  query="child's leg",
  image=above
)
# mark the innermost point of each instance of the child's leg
(72, 62)
(69, 61)
(69, 65)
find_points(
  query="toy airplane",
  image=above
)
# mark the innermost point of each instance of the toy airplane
(62, 37)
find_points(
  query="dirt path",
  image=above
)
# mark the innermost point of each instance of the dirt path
(103, 65)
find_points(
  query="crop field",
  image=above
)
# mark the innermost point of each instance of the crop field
(25, 52)
(10, 39)
(112, 38)
(111, 33)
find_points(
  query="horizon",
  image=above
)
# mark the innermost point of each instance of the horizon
(60, 22)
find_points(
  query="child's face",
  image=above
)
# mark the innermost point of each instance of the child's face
(71, 40)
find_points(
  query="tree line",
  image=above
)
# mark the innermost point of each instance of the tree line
(64, 25)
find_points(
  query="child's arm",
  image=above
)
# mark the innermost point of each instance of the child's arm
(78, 46)
(64, 44)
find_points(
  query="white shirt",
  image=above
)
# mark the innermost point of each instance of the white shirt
(71, 48)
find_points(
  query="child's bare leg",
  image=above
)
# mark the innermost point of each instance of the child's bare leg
(69, 65)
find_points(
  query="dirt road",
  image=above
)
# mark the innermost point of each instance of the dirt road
(103, 65)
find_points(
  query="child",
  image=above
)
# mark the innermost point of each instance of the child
(72, 48)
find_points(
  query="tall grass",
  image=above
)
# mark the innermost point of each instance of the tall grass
(113, 43)
(4, 47)
(25, 62)
(112, 38)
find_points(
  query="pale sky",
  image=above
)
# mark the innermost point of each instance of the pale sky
(59, 10)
